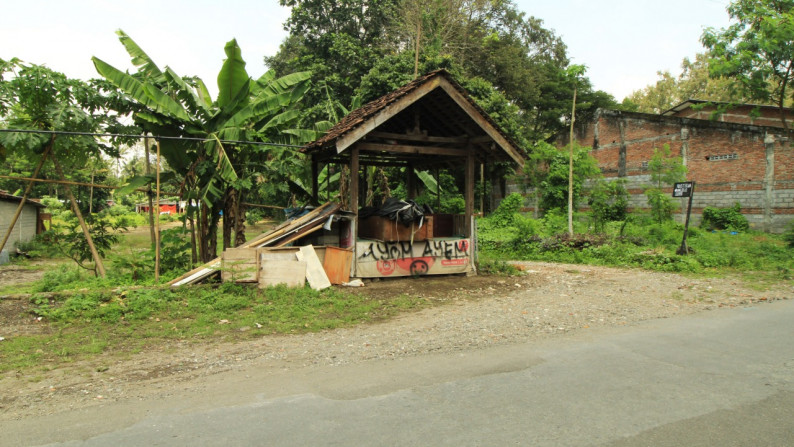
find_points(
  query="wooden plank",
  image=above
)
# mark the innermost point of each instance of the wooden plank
(337, 264)
(408, 149)
(198, 274)
(276, 254)
(420, 138)
(385, 114)
(319, 214)
(275, 272)
(315, 273)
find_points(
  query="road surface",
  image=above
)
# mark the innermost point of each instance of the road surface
(721, 378)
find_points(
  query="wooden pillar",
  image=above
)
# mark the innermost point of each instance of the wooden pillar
(469, 193)
(354, 166)
(315, 180)
(410, 181)
(482, 188)
(438, 191)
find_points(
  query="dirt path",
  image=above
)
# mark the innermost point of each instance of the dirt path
(551, 300)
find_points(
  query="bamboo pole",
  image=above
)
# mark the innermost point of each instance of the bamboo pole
(25, 196)
(157, 222)
(68, 182)
(97, 260)
(570, 168)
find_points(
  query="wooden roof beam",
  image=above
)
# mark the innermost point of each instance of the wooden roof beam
(475, 115)
(418, 150)
(385, 114)
(422, 138)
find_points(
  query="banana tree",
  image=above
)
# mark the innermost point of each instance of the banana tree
(215, 172)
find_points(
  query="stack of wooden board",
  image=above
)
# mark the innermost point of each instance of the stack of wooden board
(289, 231)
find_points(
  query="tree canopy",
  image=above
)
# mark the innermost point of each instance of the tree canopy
(757, 50)
(364, 49)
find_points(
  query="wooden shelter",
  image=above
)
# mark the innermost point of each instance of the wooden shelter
(427, 124)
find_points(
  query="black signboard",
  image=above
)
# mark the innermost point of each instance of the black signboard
(683, 189)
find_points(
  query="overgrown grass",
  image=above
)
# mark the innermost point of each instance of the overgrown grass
(638, 242)
(101, 321)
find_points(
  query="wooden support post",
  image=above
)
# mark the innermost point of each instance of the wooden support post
(157, 219)
(482, 188)
(469, 193)
(438, 191)
(94, 253)
(25, 196)
(410, 181)
(315, 180)
(354, 167)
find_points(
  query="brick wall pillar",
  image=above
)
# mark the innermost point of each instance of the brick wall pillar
(769, 181)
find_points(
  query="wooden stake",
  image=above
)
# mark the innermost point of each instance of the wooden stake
(25, 196)
(157, 222)
(94, 253)
(67, 182)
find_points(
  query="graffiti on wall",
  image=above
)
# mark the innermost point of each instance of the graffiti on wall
(376, 259)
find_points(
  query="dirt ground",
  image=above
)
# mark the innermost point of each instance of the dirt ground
(549, 300)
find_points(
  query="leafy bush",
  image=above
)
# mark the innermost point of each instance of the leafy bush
(788, 236)
(608, 202)
(505, 214)
(62, 277)
(730, 219)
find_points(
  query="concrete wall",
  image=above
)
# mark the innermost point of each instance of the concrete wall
(25, 228)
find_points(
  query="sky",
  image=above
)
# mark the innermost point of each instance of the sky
(623, 43)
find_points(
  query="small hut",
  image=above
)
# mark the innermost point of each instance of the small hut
(27, 226)
(428, 124)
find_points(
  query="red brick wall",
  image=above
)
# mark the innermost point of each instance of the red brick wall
(728, 161)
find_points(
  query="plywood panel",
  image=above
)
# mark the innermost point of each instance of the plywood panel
(337, 264)
(292, 273)
(240, 265)
(315, 273)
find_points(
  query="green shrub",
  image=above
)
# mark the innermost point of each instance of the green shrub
(730, 219)
(788, 236)
(509, 208)
(61, 278)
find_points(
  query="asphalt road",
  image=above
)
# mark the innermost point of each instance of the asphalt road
(719, 378)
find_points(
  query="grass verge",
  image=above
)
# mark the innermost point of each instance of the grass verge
(117, 323)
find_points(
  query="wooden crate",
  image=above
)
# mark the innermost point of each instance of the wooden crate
(383, 229)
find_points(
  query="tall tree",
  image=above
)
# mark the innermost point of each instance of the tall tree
(757, 50)
(57, 116)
